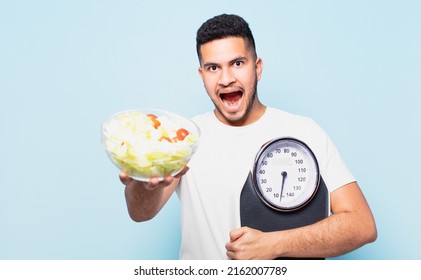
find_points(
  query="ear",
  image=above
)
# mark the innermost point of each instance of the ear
(259, 68)
(200, 71)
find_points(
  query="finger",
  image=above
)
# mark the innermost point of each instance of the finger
(229, 246)
(152, 184)
(235, 234)
(124, 178)
(231, 255)
(182, 172)
(168, 180)
(156, 183)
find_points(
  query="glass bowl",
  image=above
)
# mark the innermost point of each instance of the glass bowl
(147, 143)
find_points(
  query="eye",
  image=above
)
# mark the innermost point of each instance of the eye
(213, 68)
(238, 63)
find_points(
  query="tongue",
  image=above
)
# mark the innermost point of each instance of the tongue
(232, 97)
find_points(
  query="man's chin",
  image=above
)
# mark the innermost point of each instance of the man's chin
(233, 118)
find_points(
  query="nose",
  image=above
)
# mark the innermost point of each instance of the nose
(226, 78)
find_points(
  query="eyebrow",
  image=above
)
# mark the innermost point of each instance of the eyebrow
(208, 64)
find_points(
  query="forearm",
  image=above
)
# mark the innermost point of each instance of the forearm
(333, 236)
(351, 226)
(143, 204)
(145, 199)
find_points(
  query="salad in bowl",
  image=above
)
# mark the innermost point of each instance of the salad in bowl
(147, 143)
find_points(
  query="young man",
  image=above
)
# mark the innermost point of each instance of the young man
(209, 189)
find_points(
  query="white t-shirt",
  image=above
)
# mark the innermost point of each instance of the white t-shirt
(210, 191)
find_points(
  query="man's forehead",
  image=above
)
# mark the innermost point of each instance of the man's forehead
(223, 50)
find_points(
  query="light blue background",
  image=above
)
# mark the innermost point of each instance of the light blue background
(353, 66)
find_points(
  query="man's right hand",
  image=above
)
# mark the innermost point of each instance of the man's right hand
(154, 183)
(145, 199)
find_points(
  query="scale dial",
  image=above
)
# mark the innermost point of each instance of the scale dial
(286, 174)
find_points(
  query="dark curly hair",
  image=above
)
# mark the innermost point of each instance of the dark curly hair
(224, 26)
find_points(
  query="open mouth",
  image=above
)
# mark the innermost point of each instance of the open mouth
(231, 99)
